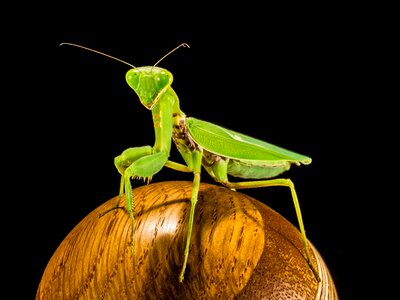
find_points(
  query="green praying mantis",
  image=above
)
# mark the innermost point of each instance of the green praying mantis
(220, 151)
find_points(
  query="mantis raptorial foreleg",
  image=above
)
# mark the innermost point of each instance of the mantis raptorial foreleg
(137, 162)
(140, 162)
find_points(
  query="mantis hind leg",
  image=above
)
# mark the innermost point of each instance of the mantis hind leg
(280, 182)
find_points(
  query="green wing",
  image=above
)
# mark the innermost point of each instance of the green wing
(231, 144)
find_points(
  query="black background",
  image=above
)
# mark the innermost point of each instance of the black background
(294, 78)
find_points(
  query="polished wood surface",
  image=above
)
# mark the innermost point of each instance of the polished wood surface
(240, 249)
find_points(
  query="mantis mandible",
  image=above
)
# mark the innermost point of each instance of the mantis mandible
(220, 151)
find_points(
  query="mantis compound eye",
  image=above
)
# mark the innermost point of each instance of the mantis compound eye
(133, 78)
(163, 79)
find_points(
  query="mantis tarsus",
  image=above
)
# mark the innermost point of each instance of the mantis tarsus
(220, 151)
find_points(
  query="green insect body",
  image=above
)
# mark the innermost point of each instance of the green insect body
(220, 151)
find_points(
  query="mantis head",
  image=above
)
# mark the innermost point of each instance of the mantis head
(149, 83)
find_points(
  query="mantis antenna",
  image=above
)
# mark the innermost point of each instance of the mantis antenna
(101, 53)
(120, 60)
(176, 48)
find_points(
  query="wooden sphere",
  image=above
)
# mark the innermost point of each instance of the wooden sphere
(240, 249)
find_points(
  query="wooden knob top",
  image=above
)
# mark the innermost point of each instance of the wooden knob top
(240, 249)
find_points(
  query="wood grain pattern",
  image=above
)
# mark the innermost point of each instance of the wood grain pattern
(240, 249)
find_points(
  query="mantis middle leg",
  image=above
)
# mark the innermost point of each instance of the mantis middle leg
(194, 165)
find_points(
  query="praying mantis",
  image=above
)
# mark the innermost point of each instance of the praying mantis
(220, 151)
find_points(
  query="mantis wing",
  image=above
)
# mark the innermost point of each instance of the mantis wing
(234, 145)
